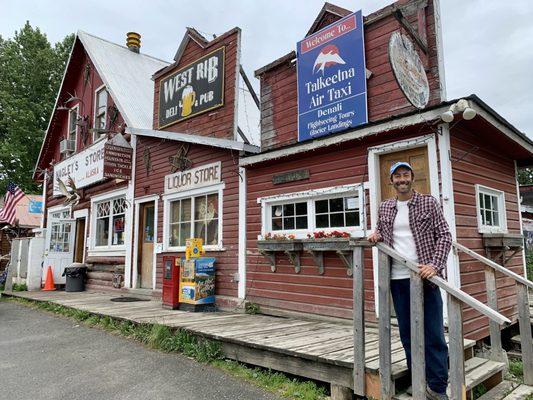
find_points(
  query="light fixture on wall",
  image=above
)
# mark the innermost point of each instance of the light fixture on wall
(461, 106)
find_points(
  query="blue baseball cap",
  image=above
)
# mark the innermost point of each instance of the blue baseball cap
(399, 164)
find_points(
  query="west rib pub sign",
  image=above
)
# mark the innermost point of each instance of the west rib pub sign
(193, 89)
(332, 79)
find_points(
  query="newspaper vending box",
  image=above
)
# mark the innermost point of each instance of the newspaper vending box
(197, 284)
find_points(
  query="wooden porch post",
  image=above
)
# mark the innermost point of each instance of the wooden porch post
(526, 343)
(385, 357)
(456, 349)
(359, 322)
(496, 349)
(418, 354)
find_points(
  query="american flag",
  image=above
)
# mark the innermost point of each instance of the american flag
(13, 196)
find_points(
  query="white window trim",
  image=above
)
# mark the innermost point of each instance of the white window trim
(168, 198)
(77, 108)
(502, 228)
(311, 196)
(96, 136)
(117, 250)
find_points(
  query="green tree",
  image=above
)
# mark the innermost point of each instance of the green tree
(525, 176)
(30, 74)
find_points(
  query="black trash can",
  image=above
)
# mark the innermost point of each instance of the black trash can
(75, 278)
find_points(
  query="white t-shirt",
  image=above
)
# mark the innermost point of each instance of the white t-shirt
(402, 241)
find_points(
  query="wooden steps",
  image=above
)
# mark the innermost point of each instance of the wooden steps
(508, 390)
(477, 371)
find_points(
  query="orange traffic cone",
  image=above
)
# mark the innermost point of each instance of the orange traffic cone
(49, 282)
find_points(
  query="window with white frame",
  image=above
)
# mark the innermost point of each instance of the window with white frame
(72, 126)
(305, 212)
(100, 110)
(110, 221)
(193, 216)
(289, 216)
(490, 210)
(60, 232)
(337, 212)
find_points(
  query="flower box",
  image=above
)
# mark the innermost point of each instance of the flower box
(279, 245)
(328, 244)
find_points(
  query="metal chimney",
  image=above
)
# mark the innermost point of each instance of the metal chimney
(133, 41)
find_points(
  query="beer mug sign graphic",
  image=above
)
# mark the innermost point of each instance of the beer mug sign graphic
(188, 97)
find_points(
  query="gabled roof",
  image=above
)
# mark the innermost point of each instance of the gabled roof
(191, 34)
(200, 40)
(127, 76)
(327, 8)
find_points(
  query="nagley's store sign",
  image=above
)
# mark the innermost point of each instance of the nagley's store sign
(332, 79)
(193, 89)
(193, 178)
(104, 159)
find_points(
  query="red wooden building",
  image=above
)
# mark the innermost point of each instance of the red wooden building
(188, 182)
(85, 161)
(337, 181)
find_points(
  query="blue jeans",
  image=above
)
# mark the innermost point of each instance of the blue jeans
(435, 345)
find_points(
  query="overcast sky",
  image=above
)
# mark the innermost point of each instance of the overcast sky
(488, 44)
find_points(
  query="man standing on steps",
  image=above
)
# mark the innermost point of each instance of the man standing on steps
(413, 224)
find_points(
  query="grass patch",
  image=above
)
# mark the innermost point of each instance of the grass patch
(162, 338)
(516, 369)
(479, 391)
(252, 308)
(275, 382)
(20, 287)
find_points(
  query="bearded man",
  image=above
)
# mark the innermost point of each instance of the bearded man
(413, 224)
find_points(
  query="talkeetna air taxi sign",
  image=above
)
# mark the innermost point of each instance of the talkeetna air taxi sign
(193, 89)
(332, 79)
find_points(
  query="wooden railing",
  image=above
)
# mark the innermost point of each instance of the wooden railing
(524, 318)
(456, 298)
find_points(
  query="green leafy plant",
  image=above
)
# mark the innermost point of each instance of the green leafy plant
(20, 287)
(252, 308)
(516, 368)
(479, 391)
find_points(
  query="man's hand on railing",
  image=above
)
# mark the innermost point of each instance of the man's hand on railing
(374, 237)
(426, 271)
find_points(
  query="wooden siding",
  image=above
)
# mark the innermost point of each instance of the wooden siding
(152, 182)
(220, 121)
(75, 83)
(476, 161)
(331, 293)
(279, 110)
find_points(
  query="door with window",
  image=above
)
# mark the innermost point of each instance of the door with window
(59, 252)
(418, 158)
(146, 245)
(79, 248)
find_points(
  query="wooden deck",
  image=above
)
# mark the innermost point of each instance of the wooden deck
(313, 349)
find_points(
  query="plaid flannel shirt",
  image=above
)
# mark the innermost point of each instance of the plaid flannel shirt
(431, 234)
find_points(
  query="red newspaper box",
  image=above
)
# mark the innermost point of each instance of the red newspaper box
(171, 282)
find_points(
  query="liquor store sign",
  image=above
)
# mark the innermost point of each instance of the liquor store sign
(193, 178)
(193, 89)
(100, 161)
(332, 79)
